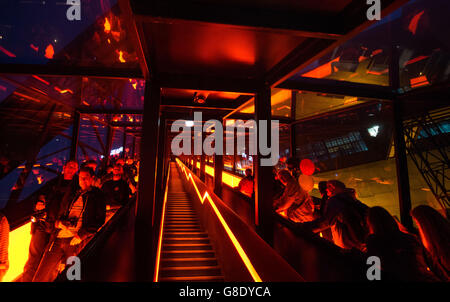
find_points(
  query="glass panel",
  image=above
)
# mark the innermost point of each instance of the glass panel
(424, 43)
(41, 33)
(281, 102)
(352, 146)
(113, 93)
(312, 103)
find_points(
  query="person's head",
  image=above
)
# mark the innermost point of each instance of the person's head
(434, 231)
(335, 187)
(292, 163)
(86, 178)
(285, 176)
(70, 169)
(130, 161)
(380, 222)
(109, 169)
(323, 188)
(117, 171)
(248, 172)
(120, 161)
(91, 164)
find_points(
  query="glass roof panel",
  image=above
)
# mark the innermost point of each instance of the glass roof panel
(39, 32)
(418, 29)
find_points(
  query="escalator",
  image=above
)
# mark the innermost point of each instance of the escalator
(187, 254)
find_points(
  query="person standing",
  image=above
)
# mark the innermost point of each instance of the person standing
(4, 245)
(62, 187)
(76, 222)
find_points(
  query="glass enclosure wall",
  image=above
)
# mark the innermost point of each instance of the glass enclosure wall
(352, 146)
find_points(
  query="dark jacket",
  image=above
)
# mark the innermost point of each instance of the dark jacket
(346, 217)
(402, 257)
(94, 211)
(117, 192)
(57, 192)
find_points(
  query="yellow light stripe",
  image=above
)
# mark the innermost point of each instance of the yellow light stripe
(230, 234)
(158, 253)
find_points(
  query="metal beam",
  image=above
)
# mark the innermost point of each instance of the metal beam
(61, 70)
(263, 174)
(210, 83)
(145, 212)
(294, 23)
(75, 134)
(401, 162)
(339, 87)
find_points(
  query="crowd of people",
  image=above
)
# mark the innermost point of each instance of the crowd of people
(406, 255)
(69, 210)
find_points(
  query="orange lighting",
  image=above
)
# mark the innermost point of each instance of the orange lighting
(49, 52)
(230, 234)
(321, 71)
(227, 178)
(107, 25)
(158, 253)
(198, 165)
(35, 48)
(414, 22)
(41, 79)
(121, 59)
(419, 81)
(6, 52)
(19, 242)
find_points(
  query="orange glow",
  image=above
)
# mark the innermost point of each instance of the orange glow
(6, 52)
(19, 242)
(134, 85)
(419, 58)
(351, 101)
(49, 52)
(376, 52)
(107, 25)
(227, 178)
(198, 165)
(121, 59)
(26, 96)
(419, 81)
(230, 234)
(414, 22)
(40, 179)
(63, 91)
(35, 48)
(158, 253)
(321, 71)
(41, 79)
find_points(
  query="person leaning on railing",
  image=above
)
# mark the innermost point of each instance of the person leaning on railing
(4, 244)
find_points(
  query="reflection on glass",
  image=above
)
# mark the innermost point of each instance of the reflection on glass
(281, 102)
(40, 33)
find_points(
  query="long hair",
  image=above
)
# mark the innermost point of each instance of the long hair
(381, 222)
(435, 230)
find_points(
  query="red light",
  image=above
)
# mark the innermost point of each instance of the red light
(6, 52)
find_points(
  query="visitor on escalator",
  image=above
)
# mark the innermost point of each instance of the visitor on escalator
(402, 256)
(77, 221)
(246, 184)
(434, 230)
(294, 202)
(345, 215)
(56, 191)
(4, 244)
(117, 190)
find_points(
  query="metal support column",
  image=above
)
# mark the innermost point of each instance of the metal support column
(145, 208)
(404, 194)
(75, 134)
(263, 174)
